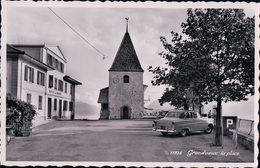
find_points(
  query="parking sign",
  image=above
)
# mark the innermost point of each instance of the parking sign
(229, 122)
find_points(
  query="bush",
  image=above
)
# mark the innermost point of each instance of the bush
(19, 115)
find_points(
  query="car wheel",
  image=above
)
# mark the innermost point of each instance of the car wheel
(209, 129)
(184, 132)
(164, 133)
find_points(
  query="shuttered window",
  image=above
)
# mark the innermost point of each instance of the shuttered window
(40, 78)
(28, 74)
(50, 81)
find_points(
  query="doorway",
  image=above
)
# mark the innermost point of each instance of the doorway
(60, 108)
(49, 108)
(125, 113)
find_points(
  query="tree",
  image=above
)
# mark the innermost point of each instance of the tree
(19, 116)
(214, 59)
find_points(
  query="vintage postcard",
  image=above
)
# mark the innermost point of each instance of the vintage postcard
(129, 84)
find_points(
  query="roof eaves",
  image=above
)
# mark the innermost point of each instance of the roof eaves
(139, 70)
(71, 80)
(17, 50)
(28, 45)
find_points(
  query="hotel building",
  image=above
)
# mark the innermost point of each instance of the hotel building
(37, 74)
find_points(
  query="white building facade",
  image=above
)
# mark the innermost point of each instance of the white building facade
(37, 74)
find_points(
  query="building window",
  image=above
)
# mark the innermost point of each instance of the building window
(70, 106)
(29, 98)
(40, 78)
(65, 87)
(56, 64)
(40, 103)
(126, 79)
(60, 86)
(62, 67)
(55, 84)
(50, 81)
(65, 105)
(55, 104)
(49, 60)
(29, 74)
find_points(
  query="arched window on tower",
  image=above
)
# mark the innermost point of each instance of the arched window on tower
(126, 79)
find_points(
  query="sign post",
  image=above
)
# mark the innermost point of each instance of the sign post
(229, 122)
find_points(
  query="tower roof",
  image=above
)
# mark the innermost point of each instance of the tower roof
(126, 58)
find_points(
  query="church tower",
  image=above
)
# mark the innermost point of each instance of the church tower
(126, 89)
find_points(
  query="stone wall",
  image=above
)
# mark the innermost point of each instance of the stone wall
(126, 94)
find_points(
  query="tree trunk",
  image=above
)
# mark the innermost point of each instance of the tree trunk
(186, 107)
(218, 127)
(200, 106)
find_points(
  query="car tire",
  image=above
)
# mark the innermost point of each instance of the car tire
(164, 133)
(209, 129)
(184, 132)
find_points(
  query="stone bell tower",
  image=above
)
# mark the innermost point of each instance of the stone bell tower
(126, 89)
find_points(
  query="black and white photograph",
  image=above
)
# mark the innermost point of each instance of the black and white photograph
(149, 84)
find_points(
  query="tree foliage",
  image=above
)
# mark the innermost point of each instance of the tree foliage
(19, 115)
(213, 61)
(214, 58)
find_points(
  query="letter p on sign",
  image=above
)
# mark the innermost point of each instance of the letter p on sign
(229, 122)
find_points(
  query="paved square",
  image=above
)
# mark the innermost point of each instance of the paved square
(121, 141)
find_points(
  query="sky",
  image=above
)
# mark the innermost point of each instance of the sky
(104, 28)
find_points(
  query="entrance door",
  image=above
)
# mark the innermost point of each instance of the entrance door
(49, 108)
(125, 113)
(60, 108)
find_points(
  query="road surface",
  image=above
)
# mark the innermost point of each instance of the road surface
(118, 141)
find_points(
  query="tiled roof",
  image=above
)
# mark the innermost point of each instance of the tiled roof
(126, 58)
(103, 95)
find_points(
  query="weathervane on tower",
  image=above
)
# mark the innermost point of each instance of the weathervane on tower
(127, 18)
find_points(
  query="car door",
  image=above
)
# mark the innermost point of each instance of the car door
(189, 122)
(193, 122)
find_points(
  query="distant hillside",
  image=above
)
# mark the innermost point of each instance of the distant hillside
(155, 105)
(86, 111)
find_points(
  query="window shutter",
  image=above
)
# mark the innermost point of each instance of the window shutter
(43, 79)
(32, 75)
(38, 77)
(26, 73)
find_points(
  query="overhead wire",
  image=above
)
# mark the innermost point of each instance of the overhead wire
(75, 31)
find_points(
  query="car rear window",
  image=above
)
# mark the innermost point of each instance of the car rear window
(173, 114)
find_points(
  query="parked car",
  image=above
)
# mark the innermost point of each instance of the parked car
(161, 114)
(182, 122)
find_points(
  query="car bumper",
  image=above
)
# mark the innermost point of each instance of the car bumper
(163, 130)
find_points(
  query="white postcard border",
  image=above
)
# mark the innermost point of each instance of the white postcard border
(5, 4)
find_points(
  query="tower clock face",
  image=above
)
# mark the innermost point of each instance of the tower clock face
(115, 80)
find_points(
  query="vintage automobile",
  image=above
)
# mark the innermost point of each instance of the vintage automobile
(161, 114)
(183, 122)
